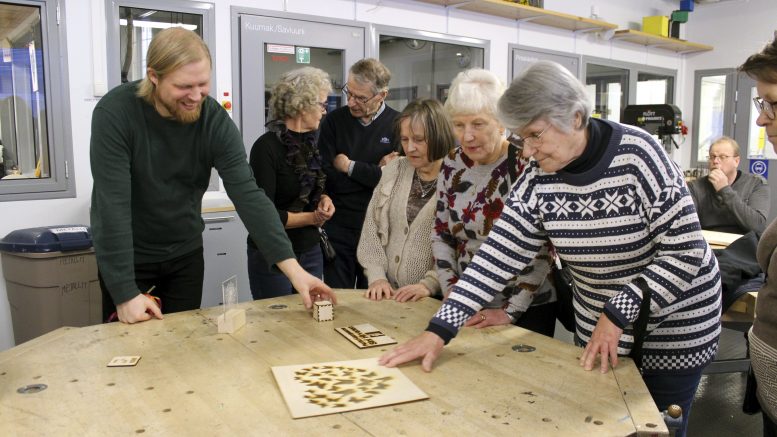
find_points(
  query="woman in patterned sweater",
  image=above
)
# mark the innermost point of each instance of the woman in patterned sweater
(475, 178)
(619, 214)
(395, 245)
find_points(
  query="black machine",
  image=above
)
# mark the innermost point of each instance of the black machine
(661, 120)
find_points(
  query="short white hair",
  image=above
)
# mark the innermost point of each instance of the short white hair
(547, 91)
(474, 91)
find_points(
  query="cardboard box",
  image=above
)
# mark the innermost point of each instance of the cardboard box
(657, 25)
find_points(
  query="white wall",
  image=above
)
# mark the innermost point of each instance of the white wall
(734, 38)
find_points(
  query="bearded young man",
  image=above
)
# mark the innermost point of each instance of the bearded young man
(154, 143)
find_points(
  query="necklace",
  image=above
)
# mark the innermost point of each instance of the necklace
(425, 188)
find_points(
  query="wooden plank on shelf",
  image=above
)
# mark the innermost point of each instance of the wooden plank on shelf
(658, 41)
(515, 11)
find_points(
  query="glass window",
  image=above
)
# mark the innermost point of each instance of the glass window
(31, 86)
(654, 89)
(712, 103)
(756, 138)
(610, 85)
(424, 69)
(136, 28)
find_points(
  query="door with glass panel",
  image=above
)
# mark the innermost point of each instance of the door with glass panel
(609, 87)
(270, 46)
(522, 58)
(423, 65)
(713, 113)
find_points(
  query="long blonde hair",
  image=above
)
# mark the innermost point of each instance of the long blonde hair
(169, 50)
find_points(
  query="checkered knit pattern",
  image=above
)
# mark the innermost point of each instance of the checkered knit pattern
(630, 217)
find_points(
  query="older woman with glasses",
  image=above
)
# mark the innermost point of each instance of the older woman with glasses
(287, 166)
(475, 180)
(619, 215)
(395, 245)
(763, 335)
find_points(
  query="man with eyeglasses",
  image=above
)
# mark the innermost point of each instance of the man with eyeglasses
(728, 200)
(355, 142)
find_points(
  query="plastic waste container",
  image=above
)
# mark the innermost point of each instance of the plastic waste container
(51, 279)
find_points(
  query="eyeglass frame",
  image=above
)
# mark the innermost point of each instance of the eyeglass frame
(518, 141)
(357, 99)
(722, 158)
(761, 106)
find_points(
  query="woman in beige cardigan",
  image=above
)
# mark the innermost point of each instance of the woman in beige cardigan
(395, 248)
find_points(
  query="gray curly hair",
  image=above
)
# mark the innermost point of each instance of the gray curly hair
(298, 91)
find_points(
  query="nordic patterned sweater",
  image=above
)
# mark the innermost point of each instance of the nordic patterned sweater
(625, 227)
(470, 199)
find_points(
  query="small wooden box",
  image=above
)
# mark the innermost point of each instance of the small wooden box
(323, 311)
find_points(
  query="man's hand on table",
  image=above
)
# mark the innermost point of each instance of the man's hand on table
(427, 346)
(138, 309)
(309, 287)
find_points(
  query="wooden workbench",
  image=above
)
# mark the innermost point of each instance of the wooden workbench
(193, 381)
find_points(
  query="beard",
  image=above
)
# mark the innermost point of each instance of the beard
(182, 115)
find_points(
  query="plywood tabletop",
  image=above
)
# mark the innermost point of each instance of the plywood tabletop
(193, 381)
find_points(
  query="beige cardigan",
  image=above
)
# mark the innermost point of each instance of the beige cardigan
(389, 248)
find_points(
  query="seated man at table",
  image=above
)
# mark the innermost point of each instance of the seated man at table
(728, 200)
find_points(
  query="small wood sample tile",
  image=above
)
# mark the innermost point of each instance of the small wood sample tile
(336, 387)
(365, 335)
(124, 361)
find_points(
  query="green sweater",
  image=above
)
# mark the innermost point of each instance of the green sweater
(149, 177)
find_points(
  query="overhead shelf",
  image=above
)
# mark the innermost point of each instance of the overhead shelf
(661, 42)
(515, 11)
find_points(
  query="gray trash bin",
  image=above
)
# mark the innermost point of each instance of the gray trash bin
(51, 279)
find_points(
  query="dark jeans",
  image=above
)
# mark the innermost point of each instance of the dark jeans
(540, 319)
(674, 389)
(177, 282)
(344, 271)
(770, 428)
(267, 283)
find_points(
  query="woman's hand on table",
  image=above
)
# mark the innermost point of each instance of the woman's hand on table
(412, 292)
(488, 317)
(426, 346)
(604, 342)
(379, 290)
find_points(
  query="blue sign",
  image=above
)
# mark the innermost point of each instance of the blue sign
(760, 167)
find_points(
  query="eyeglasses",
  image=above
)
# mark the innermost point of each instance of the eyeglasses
(360, 100)
(764, 107)
(533, 140)
(323, 105)
(720, 157)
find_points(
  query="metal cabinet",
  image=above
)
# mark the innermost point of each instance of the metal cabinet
(224, 247)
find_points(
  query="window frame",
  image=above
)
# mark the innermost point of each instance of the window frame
(729, 108)
(113, 50)
(634, 70)
(61, 183)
